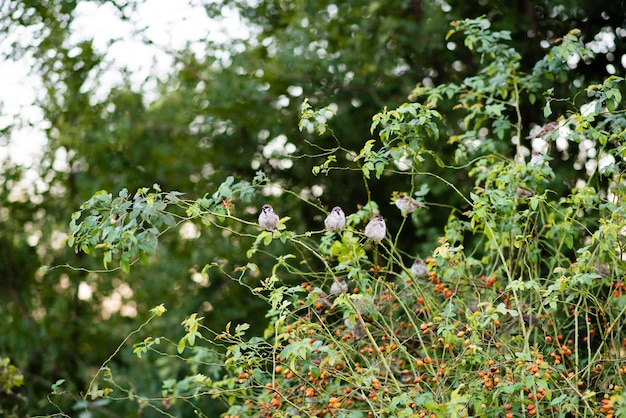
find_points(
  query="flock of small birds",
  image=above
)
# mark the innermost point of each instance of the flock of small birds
(336, 219)
(375, 230)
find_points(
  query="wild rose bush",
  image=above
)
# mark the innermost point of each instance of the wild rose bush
(517, 310)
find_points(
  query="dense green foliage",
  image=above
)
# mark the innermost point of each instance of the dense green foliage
(518, 310)
(512, 271)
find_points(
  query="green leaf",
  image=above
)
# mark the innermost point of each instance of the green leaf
(241, 328)
(534, 202)
(181, 344)
(125, 266)
(139, 351)
(159, 310)
(380, 168)
(547, 111)
(610, 105)
(56, 385)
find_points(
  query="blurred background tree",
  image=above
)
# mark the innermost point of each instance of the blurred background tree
(226, 110)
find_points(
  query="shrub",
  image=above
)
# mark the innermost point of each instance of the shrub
(517, 309)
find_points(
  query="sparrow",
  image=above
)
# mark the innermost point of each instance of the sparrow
(336, 219)
(407, 204)
(419, 268)
(339, 286)
(376, 228)
(536, 159)
(322, 299)
(546, 129)
(602, 269)
(267, 218)
(357, 328)
(524, 192)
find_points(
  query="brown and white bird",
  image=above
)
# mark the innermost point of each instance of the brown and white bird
(546, 129)
(336, 219)
(537, 159)
(524, 192)
(407, 204)
(339, 286)
(543, 131)
(267, 218)
(419, 268)
(376, 228)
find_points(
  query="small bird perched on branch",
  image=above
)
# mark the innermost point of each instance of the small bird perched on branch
(537, 159)
(376, 228)
(524, 192)
(267, 218)
(546, 129)
(407, 204)
(336, 219)
(419, 268)
(339, 286)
